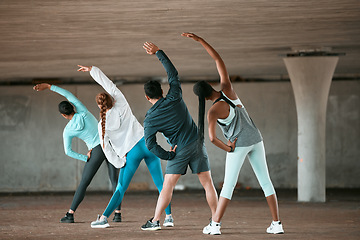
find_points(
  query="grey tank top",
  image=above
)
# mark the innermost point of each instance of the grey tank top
(241, 127)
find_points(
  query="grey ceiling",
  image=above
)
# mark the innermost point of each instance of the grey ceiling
(48, 38)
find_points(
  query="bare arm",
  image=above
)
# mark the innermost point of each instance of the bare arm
(212, 118)
(220, 65)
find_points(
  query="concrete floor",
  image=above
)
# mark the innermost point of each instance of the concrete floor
(37, 216)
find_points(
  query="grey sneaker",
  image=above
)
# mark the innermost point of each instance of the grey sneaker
(100, 223)
(150, 226)
(168, 222)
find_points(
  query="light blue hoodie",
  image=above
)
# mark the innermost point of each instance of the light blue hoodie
(83, 125)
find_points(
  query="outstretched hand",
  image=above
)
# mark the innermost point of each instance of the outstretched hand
(191, 35)
(41, 86)
(84, 68)
(150, 48)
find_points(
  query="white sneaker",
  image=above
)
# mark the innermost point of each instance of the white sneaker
(275, 228)
(100, 223)
(168, 222)
(212, 229)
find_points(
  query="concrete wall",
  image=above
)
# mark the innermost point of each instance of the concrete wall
(32, 156)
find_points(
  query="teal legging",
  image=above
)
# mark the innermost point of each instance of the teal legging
(133, 159)
(234, 162)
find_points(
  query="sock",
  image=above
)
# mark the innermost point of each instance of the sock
(215, 223)
(168, 216)
(276, 222)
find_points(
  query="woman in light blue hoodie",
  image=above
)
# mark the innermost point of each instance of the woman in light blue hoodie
(82, 124)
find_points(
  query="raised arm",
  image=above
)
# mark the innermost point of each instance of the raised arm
(106, 83)
(220, 65)
(172, 73)
(65, 93)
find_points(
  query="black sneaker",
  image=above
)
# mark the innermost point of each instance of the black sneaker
(69, 218)
(150, 226)
(117, 217)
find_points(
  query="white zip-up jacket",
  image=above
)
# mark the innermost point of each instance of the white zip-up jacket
(122, 129)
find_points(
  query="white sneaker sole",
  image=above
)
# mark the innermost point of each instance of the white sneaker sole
(101, 226)
(275, 232)
(211, 233)
(168, 224)
(151, 229)
(218, 233)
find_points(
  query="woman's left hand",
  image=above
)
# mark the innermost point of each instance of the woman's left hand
(173, 149)
(41, 86)
(191, 35)
(84, 68)
(232, 144)
(89, 154)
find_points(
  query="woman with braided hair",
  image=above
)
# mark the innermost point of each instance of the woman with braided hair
(122, 139)
(104, 102)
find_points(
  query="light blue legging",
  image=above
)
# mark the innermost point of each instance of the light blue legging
(234, 162)
(133, 159)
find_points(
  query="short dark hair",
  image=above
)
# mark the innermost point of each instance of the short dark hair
(153, 89)
(66, 108)
(203, 89)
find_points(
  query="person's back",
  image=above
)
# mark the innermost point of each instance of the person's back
(83, 125)
(173, 119)
(169, 116)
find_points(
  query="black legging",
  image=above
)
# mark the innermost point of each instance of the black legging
(89, 171)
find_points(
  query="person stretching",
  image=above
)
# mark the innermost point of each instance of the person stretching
(169, 115)
(244, 139)
(122, 138)
(82, 124)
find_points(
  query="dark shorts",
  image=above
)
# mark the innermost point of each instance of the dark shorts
(194, 155)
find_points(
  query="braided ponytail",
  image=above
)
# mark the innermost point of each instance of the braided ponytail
(104, 101)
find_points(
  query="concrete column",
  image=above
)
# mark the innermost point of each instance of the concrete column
(311, 79)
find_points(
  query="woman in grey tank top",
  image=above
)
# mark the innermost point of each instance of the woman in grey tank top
(244, 139)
